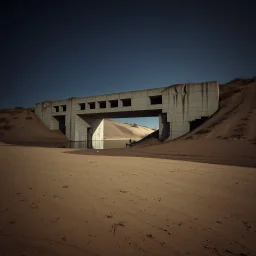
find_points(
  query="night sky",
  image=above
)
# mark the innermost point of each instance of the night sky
(60, 49)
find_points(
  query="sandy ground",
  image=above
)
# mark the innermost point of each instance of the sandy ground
(55, 203)
(216, 151)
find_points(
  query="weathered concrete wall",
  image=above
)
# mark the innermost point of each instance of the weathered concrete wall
(180, 105)
(188, 102)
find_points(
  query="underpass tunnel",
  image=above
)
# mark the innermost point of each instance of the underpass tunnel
(59, 123)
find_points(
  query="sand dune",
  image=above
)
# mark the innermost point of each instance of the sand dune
(115, 130)
(22, 125)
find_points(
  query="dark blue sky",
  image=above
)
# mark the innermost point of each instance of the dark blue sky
(60, 49)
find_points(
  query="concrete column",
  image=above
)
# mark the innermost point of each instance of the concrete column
(70, 115)
(80, 128)
(82, 123)
(97, 125)
(164, 127)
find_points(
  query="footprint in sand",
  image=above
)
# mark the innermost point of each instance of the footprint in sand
(109, 215)
(33, 206)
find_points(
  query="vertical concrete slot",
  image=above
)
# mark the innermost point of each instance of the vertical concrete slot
(91, 105)
(61, 123)
(126, 102)
(89, 137)
(102, 104)
(57, 109)
(64, 108)
(113, 103)
(164, 127)
(81, 106)
(156, 100)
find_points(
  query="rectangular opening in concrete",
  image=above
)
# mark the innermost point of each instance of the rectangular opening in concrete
(92, 105)
(164, 127)
(61, 123)
(126, 102)
(81, 106)
(102, 104)
(63, 108)
(113, 103)
(56, 108)
(89, 137)
(156, 100)
(197, 122)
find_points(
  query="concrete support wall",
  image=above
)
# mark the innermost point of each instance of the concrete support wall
(82, 123)
(178, 106)
(54, 123)
(80, 128)
(44, 112)
(164, 127)
(186, 103)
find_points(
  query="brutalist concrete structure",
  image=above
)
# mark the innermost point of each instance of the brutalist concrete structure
(82, 119)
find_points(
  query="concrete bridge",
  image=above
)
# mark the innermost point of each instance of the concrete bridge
(177, 106)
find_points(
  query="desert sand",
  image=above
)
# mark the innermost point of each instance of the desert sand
(57, 203)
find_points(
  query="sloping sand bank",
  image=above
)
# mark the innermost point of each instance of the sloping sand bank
(241, 153)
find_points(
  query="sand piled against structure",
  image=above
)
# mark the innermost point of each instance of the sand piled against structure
(23, 126)
(228, 137)
(236, 118)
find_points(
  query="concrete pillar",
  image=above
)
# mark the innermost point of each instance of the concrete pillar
(80, 128)
(164, 127)
(81, 125)
(70, 117)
